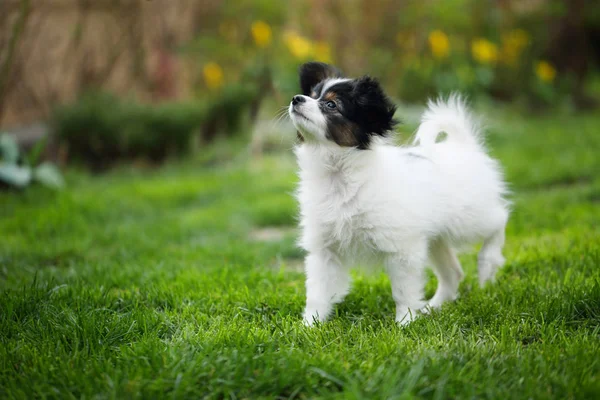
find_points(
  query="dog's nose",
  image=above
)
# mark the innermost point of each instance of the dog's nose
(298, 99)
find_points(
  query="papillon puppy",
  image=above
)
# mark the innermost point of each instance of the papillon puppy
(366, 201)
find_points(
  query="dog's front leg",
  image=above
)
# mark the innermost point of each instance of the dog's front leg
(327, 282)
(405, 270)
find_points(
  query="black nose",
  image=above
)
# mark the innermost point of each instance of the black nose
(298, 99)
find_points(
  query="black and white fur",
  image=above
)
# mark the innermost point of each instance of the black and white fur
(366, 201)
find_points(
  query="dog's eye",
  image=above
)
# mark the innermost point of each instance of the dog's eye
(330, 104)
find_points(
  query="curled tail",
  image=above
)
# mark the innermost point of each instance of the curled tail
(452, 117)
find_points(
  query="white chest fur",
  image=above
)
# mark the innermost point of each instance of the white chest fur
(333, 211)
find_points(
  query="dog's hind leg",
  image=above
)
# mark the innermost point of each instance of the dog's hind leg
(448, 271)
(490, 256)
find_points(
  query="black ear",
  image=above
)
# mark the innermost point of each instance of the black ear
(376, 109)
(312, 73)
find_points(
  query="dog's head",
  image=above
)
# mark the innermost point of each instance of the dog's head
(332, 108)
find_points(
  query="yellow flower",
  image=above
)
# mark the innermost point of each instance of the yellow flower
(484, 51)
(261, 32)
(213, 75)
(299, 46)
(545, 71)
(322, 52)
(439, 44)
(513, 44)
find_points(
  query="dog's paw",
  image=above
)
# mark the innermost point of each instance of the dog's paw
(405, 316)
(437, 301)
(429, 308)
(310, 318)
(484, 279)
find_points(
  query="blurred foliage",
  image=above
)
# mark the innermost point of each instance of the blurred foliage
(498, 49)
(247, 51)
(101, 129)
(477, 48)
(18, 170)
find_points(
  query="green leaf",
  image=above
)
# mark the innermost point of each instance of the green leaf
(9, 150)
(15, 175)
(49, 175)
(35, 154)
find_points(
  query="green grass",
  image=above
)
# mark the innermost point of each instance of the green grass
(157, 284)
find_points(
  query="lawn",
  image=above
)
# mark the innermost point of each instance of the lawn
(185, 282)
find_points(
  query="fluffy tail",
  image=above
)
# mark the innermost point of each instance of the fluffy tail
(452, 117)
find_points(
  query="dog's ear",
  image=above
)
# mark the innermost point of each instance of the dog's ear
(376, 109)
(314, 72)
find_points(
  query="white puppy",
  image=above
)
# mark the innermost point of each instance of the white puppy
(365, 201)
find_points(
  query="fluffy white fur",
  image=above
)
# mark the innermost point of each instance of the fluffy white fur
(398, 207)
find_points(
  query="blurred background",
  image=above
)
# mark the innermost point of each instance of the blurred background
(99, 82)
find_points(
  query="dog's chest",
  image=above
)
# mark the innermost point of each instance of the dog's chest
(338, 214)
